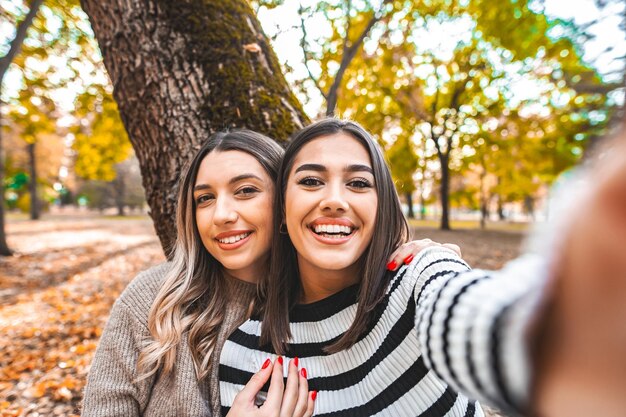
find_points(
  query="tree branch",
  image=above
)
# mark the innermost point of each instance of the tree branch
(20, 35)
(348, 55)
(307, 54)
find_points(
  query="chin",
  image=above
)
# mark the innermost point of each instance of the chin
(338, 265)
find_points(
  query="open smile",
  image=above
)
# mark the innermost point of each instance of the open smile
(233, 240)
(332, 232)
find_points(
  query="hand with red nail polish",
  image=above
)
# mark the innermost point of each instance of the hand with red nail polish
(245, 403)
(406, 253)
(392, 266)
(290, 400)
(296, 400)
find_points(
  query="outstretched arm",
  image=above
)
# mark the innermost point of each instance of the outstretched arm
(581, 337)
(549, 324)
(472, 325)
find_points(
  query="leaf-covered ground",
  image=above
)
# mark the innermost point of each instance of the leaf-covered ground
(54, 301)
(55, 297)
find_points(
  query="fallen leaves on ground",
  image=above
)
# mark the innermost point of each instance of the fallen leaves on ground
(54, 302)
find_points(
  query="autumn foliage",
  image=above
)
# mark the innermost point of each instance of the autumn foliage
(54, 301)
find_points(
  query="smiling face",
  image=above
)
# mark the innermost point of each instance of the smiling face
(330, 206)
(233, 208)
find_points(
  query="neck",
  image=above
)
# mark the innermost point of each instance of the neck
(248, 275)
(318, 284)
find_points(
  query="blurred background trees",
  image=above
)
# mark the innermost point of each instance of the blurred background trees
(498, 92)
(479, 105)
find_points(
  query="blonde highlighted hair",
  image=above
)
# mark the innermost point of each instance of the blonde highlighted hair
(191, 301)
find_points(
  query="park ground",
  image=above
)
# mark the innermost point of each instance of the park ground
(56, 293)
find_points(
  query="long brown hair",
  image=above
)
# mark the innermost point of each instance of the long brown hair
(191, 298)
(282, 288)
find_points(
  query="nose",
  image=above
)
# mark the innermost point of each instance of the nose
(225, 212)
(334, 198)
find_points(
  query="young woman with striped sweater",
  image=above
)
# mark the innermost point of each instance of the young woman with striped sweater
(374, 342)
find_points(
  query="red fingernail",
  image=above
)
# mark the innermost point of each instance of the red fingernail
(392, 265)
(313, 395)
(280, 360)
(266, 363)
(303, 372)
(408, 259)
(295, 361)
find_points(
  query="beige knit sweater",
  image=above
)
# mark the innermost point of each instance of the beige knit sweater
(111, 390)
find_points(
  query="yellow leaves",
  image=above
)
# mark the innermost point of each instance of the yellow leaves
(37, 391)
(84, 348)
(63, 394)
(103, 145)
(10, 413)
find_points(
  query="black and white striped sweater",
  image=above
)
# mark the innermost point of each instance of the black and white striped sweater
(439, 321)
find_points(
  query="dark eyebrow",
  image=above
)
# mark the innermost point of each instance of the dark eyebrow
(358, 168)
(199, 187)
(244, 177)
(310, 167)
(233, 180)
(322, 168)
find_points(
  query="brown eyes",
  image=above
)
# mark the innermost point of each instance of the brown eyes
(357, 183)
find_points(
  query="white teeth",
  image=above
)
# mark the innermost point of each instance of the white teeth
(233, 239)
(332, 228)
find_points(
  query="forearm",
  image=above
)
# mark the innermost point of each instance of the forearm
(472, 327)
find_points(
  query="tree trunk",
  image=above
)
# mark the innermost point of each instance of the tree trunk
(445, 192)
(119, 185)
(4, 247)
(5, 61)
(529, 206)
(32, 186)
(484, 210)
(182, 70)
(422, 206)
(501, 215)
(409, 203)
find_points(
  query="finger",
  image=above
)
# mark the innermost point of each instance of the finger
(290, 396)
(394, 260)
(277, 386)
(310, 406)
(249, 392)
(453, 247)
(303, 394)
(407, 252)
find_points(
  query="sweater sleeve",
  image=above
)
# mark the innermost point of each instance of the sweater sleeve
(472, 324)
(111, 388)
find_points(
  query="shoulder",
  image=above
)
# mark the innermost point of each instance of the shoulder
(428, 265)
(139, 295)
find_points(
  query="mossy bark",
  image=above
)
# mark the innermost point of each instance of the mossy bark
(182, 70)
